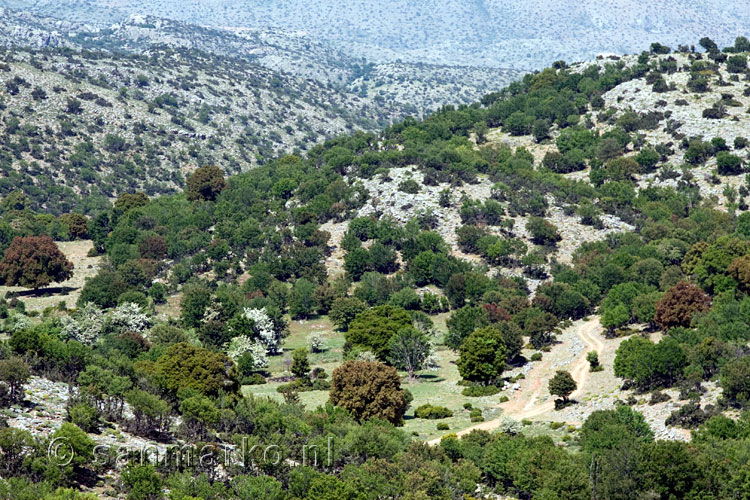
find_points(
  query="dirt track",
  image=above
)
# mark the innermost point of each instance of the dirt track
(525, 402)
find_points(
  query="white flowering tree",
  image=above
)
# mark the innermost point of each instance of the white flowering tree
(242, 344)
(129, 317)
(264, 329)
(315, 341)
(87, 325)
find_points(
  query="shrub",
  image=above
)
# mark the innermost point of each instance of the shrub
(442, 426)
(321, 385)
(543, 232)
(690, 416)
(84, 416)
(476, 415)
(432, 412)
(409, 186)
(254, 379)
(658, 397)
(315, 342)
(478, 391)
(728, 164)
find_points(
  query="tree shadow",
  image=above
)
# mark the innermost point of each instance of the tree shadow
(42, 292)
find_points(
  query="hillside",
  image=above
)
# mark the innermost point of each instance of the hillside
(497, 33)
(542, 295)
(81, 127)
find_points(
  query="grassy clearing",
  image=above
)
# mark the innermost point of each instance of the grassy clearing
(439, 387)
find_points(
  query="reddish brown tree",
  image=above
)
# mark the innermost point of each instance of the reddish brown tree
(34, 262)
(205, 184)
(496, 313)
(680, 304)
(153, 247)
(368, 389)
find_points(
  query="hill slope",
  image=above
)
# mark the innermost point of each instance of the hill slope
(79, 126)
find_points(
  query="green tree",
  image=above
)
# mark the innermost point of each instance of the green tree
(300, 363)
(463, 322)
(540, 130)
(247, 487)
(75, 452)
(369, 390)
(562, 384)
(142, 482)
(302, 299)
(542, 231)
(14, 373)
(205, 184)
(344, 310)
(482, 356)
(615, 316)
(187, 366)
(199, 413)
(195, 300)
(409, 350)
(372, 329)
(610, 429)
(735, 381)
(357, 262)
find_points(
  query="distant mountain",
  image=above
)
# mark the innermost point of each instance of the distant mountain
(526, 34)
(413, 88)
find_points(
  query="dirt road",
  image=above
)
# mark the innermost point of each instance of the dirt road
(525, 402)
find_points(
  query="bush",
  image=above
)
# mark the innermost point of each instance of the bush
(658, 397)
(689, 416)
(537, 356)
(409, 186)
(254, 379)
(432, 412)
(478, 391)
(728, 164)
(321, 385)
(556, 425)
(476, 415)
(84, 416)
(442, 426)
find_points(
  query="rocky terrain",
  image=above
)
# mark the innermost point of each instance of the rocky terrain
(517, 34)
(96, 124)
